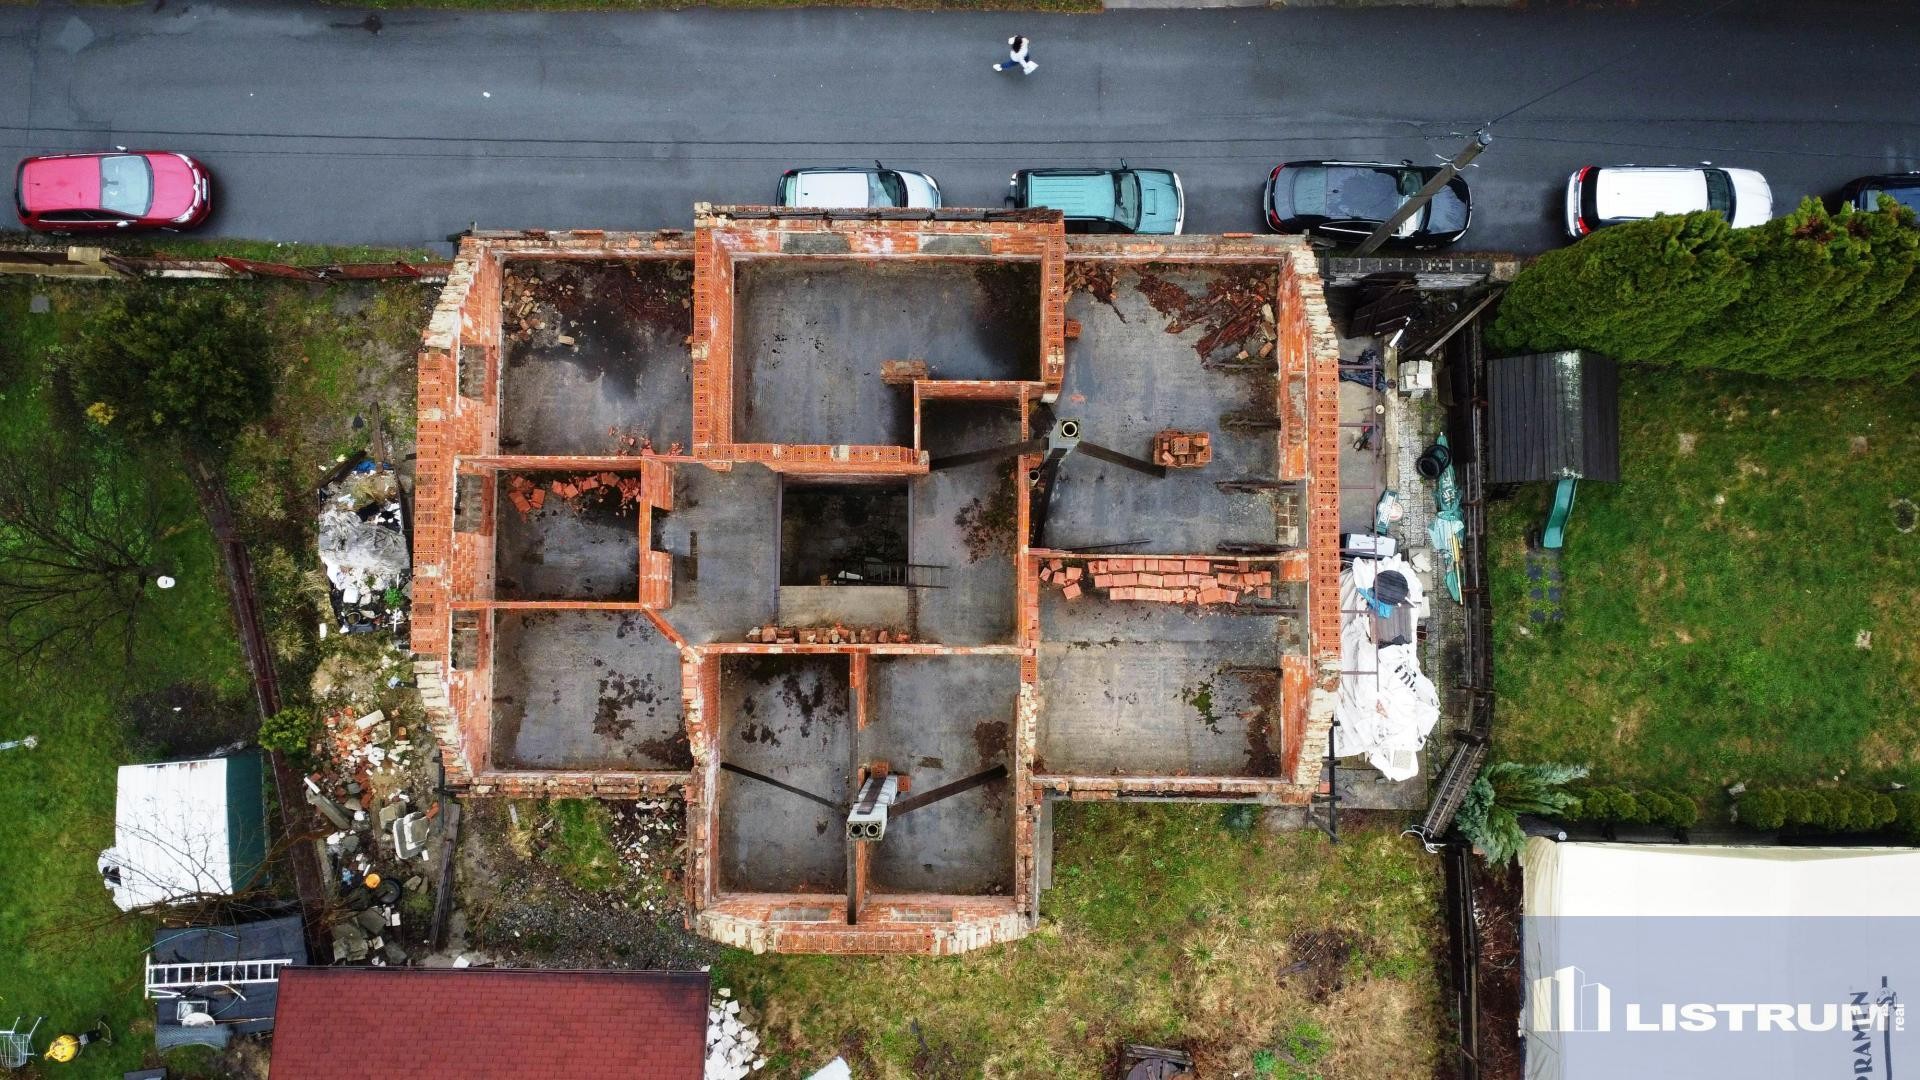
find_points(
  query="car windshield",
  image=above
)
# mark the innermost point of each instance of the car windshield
(1447, 212)
(1719, 192)
(1126, 199)
(126, 184)
(1908, 197)
(893, 188)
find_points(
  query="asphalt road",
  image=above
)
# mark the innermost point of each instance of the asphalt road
(323, 125)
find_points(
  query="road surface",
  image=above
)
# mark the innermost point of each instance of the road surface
(327, 124)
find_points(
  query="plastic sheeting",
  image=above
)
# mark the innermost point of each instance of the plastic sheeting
(363, 557)
(1387, 706)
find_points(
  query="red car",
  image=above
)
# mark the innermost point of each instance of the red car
(142, 189)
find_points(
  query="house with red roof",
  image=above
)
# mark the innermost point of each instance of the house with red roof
(361, 1023)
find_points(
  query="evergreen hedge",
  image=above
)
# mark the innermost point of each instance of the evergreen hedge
(1641, 806)
(1833, 295)
(1828, 809)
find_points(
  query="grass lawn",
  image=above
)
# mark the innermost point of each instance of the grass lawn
(1715, 600)
(1164, 928)
(67, 954)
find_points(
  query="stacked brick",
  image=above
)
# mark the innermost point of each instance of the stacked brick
(1182, 449)
(1162, 580)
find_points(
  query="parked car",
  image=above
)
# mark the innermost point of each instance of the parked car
(1121, 200)
(1864, 193)
(123, 190)
(1602, 195)
(1345, 201)
(853, 187)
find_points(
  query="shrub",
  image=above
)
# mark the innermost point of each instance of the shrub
(1813, 293)
(291, 731)
(191, 364)
(1825, 809)
(1646, 806)
(1906, 804)
(1489, 814)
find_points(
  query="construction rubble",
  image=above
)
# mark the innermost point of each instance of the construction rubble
(733, 1047)
(369, 785)
(363, 546)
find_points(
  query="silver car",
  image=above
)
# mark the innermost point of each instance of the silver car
(853, 187)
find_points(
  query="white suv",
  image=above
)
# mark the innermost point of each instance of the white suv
(852, 187)
(1601, 195)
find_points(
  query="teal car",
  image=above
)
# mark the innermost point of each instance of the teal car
(1121, 200)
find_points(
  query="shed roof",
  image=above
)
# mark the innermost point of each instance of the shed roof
(1553, 415)
(483, 1024)
(244, 1010)
(184, 829)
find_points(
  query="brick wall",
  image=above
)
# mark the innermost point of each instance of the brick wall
(455, 572)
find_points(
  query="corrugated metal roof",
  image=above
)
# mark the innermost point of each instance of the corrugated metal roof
(1553, 415)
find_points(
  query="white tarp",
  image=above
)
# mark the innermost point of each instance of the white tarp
(1713, 924)
(1386, 706)
(170, 834)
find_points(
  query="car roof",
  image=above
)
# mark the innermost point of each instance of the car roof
(1077, 193)
(66, 182)
(1641, 191)
(832, 188)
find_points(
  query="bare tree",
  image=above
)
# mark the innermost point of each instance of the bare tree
(80, 531)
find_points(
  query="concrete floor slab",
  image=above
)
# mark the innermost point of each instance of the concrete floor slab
(789, 718)
(1129, 376)
(1144, 689)
(810, 335)
(1363, 471)
(964, 521)
(585, 690)
(626, 369)
(588, 549)
(723, 534)
(940, 719)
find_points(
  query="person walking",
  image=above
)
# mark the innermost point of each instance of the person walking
(1016, 57)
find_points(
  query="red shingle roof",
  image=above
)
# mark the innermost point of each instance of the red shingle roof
(482, 1024)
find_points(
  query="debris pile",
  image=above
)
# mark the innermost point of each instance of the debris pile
(1182, 449)
(377, 850)
(836, 634)
(1235, 311)
(633, 443)
(732, 1044)
(1167, 581)
(363, 546)
(575, 491)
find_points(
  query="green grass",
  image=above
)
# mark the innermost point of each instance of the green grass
(1163, 927)
(65, 952)
(1714, 598)
(68, 954)
(272, 251)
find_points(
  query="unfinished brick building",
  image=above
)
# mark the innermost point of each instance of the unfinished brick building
(762, 512)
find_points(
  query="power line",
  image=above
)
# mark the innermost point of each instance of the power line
(1615, 62)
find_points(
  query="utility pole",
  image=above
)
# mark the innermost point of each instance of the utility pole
(1481, 139)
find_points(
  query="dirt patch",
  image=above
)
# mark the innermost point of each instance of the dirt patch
(519, 910)
(987, 526)
(990, 739)
(1235, 315)
(1317, 963)
(1496, 912)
